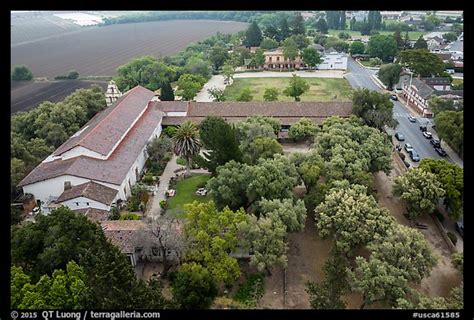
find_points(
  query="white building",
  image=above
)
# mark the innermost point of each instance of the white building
(108, 151)
(333, 61)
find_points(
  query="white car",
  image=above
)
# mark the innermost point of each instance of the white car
(427, 135)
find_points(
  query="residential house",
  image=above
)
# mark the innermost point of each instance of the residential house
(435, 43)
(274, 59)
(358, 15)
(318, 47)
(422, 89)
(139, 240)
(391, 15)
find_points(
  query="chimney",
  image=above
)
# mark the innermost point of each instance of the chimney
(67, 185)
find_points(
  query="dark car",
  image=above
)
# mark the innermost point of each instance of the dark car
(435, 143)
(408, 147)
(460, 227)
(400, 136)
(427, 134)
(441, 152)
(423, 128)
(394, 97)
(414, 156)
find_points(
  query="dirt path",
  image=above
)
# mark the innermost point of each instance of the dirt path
(444, 276)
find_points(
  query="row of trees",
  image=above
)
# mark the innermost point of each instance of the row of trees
(347, 213)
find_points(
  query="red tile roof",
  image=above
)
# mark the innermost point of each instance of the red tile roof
(114, 169)
(94, 214)
(90, 190)
(128, 234)
(103, 131)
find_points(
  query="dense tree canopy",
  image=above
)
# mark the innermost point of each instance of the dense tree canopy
(189, 85)
(193, 287)
(451, 177)
(219, 139)
(311, 57)
(303, 129)
(374, 108)
(351, 217)
(261, 147)
(357, 47)
(145, 71)
(63, 290)
(420, 44)
(389, 74)
(21, 72)
(297, 25)
(421, 62)
(383, 47)
(213, 235)
(256, 126)
(42, 247)
(290, 49)
(253, 35)
(420, 189)
(450, 127)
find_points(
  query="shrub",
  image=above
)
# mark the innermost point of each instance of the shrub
(170, 131)
(148, 178)
(181, 161)
(73, 74)
(452, 237)
(129, 216)
(163, 204)
(251, 290)
(114, 213)
(21, 72)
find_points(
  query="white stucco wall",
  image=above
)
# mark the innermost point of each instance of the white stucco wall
(124, 189)
(176, 114)
(55, 186)
(333, 62)
(84, 203)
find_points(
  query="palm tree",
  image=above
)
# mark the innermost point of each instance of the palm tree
(186, 143)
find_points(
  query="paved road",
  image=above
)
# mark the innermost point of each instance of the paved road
(360, 77)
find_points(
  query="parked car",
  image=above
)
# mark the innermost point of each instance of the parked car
(441, 152)
(408, 147)
(406, 163)
(394, 97)
(423, 128)
(427, 135)
(400, 136)
(411, 118)
(460, 227)
(435, 143)
(414, 156)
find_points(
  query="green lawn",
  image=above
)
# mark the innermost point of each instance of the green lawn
(321, 89)
(413, 35)
(457, 81)
(185, 193)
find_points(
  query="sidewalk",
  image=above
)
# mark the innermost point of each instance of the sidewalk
(216, 81)
(154, 210)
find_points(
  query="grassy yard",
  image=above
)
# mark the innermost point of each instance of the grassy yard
(321, 89)
(457, 82)
(185, 193)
